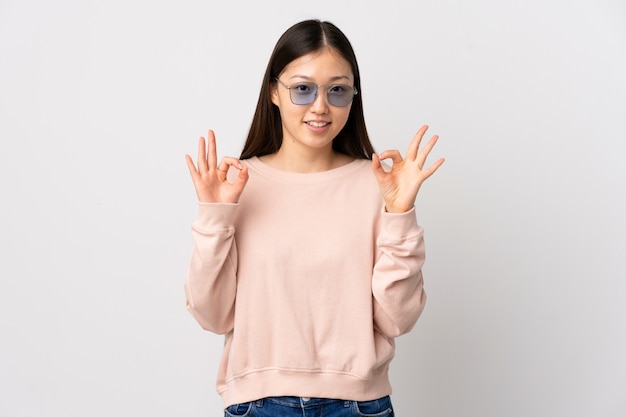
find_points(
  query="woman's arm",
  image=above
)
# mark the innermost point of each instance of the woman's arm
(211, 279)
(397, 284)
(211, 282)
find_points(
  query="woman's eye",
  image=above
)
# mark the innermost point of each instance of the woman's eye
(302, 88)
(337, 89)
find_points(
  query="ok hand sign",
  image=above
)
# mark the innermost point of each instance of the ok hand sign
(400, 185)
(210, 179)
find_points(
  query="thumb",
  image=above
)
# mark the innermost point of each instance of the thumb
(242, 177)
(377, 167)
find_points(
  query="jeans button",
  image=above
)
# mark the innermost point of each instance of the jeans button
(305, 399)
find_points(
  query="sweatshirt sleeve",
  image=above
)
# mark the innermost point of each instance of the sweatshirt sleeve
(210, 286)
(397, 284)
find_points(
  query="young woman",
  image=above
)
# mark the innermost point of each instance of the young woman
(307, 251)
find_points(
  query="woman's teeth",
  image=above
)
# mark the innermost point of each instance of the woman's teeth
(317, 124)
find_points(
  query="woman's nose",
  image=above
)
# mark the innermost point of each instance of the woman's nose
(320, 104)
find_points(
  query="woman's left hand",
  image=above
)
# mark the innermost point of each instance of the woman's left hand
(399, 185)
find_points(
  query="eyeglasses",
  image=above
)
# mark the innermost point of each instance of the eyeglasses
(338, 95)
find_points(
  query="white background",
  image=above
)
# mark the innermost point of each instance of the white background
(525, 229)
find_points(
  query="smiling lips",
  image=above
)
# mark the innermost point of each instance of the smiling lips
(317, 124)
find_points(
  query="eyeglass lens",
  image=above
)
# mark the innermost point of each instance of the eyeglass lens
(337, 94)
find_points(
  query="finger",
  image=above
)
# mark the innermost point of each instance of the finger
(377, 167)
(375, 161)
(394, 155)
(212, 153)
(229, 161)
(411, 152)
(202, 164)
(192, 168)
(225, 164)
(242, 178)
(434, 167)
(421, 157)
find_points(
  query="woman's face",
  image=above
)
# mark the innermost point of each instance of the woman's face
(312, 126)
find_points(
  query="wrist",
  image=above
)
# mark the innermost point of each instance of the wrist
(392, 209)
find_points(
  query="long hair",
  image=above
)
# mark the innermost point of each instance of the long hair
(266, 135)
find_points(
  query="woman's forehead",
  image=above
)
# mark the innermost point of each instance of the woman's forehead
(327, 63)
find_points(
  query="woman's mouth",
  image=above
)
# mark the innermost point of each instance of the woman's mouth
(317, 124)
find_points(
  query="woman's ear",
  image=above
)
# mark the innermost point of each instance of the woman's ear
(274, 92)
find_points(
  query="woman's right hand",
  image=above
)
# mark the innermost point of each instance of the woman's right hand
(210, 179)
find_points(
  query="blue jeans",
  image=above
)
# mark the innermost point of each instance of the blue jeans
(311, 407)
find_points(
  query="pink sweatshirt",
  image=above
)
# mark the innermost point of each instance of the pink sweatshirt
(310, 280)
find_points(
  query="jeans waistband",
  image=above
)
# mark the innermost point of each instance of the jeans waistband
(304, 401)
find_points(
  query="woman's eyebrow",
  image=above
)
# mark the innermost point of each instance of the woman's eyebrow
(335, 78)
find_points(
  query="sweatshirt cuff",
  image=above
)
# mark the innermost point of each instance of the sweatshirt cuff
(215, 216)
(400, 225)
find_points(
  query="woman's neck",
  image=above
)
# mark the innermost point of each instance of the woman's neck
(306, 162)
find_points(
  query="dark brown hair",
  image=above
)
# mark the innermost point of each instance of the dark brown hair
(266, 135)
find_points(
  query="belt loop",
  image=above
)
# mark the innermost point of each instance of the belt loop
(259, 403)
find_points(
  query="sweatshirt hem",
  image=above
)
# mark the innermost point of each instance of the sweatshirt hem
(274, 382)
